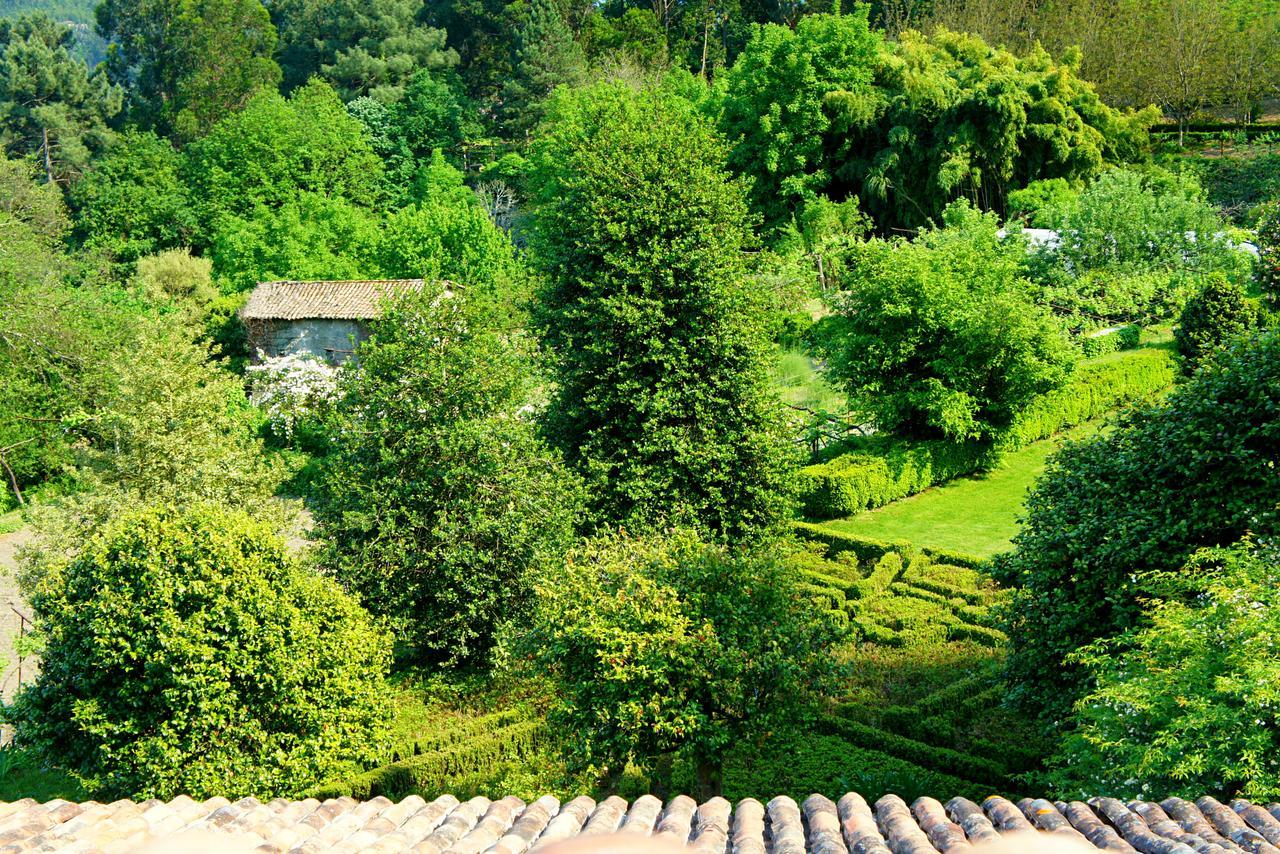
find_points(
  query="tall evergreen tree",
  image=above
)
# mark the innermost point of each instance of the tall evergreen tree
(656, 336)
(546, 56)
(364, 47)
(51, 106)
(186, 63)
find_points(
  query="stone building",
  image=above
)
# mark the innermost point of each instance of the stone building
(325, 319)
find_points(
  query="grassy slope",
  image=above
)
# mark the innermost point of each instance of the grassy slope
(973, 515)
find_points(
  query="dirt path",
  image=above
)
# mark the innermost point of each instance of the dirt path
(10, 623)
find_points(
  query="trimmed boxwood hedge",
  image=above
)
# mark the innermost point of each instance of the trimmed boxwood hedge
(434, 773)
(942, 759)
(882, 469)
(868, 550)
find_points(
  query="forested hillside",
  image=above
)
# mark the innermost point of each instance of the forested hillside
(501, 398)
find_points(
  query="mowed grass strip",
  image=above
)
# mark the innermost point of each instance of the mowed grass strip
(974, 515)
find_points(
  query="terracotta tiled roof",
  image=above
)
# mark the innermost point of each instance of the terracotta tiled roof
(351, 300)
(509, 825)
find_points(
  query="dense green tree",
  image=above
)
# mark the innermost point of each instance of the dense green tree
(1211, 318)
(656, 336)
(1185, 705)
(276, 149)
(1197, 470)
(547, 56)
(443, 232)
(51, 107)
(634, 37)
(774, 109)
(56, 339)
(431, 116)
(132, 201)
(438, 498)
(186, 63)
(941, 336)
(364, 47)
(665, 645)
(913, 125)
(187, 654)
(175, 426)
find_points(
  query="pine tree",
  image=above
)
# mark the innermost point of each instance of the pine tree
(546, 56)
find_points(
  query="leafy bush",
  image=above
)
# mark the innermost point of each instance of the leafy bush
(1194, 471)
(176, 426)
(1098, 387)
(1211, 318)
(1185, 705)
(930, 756)
(437, 496)
(662, 645)
(1042, 204)
(940, 338)
(186, 653)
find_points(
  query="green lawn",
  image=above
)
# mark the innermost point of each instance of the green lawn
(974, 515)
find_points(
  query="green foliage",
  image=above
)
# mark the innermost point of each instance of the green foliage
(438, 498)
(1185, 705)
(186, 64)
(657, 338)
(912, 125)
(940, 337)
(178, 279)
(55, 338)
(1238, 186)
(132, 202)
(1211, 319)
(1194, 471)
(51, 107)
(799, 763)
(187, 654)
(1269, 254)
(364, 47)
(430, 116)
(276, 149)
(774, 110)
(1129, 222)
(1042, 204)
(662, 645)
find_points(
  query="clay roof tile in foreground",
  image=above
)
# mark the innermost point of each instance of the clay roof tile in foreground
(338, 300)
(510, 826)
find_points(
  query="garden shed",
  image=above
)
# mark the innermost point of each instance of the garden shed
(325, 319)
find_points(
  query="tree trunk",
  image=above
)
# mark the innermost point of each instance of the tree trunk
(709, 778)
(48, 158)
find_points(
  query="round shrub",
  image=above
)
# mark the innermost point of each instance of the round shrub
(186, 653)
(1210, 318)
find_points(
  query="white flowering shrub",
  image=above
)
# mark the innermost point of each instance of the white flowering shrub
(293, 390)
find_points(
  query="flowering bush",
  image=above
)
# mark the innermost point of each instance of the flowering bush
(293, 390)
